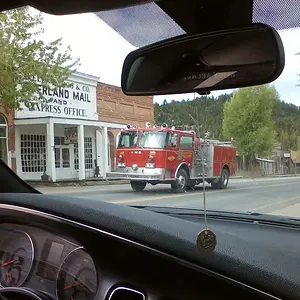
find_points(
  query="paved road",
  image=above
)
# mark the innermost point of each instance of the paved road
(269, 195)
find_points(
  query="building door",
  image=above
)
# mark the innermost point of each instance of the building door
(64, 162)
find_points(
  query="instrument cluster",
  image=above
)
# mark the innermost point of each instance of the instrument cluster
(33, 258)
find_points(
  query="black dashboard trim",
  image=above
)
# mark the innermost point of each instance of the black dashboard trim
(34, 212)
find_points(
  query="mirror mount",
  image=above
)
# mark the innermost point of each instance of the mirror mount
(204, 93)
(202, 63)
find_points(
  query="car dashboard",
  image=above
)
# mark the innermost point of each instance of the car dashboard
(62, 268)
(35, 258)
(57, 246)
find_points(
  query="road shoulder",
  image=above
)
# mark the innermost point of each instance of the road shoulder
(292, 210)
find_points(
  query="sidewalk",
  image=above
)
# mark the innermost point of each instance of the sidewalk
(70, 190)
(290, 211)
(77, 183)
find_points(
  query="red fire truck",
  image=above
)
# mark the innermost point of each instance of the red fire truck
(177, 157)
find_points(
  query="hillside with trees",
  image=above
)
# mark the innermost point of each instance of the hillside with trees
(259, 109)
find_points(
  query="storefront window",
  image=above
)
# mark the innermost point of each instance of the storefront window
(33, 153)
(65, 157)
(88, 154)
(58, 140)
(57, 157)
(3, 139)
(62, 153)
(76, 158)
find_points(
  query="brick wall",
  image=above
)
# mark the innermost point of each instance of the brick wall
(114, 106)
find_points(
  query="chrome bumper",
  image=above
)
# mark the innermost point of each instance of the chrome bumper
(131, 176)
(141, 174)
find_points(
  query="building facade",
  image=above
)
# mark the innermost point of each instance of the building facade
(114, 106)
(67, 138)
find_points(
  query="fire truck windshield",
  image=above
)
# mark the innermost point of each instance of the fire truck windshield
(128, 139)
(153, 139)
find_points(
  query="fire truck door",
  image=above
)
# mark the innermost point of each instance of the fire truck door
(185, 153)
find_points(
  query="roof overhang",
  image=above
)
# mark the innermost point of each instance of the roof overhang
(64, 121)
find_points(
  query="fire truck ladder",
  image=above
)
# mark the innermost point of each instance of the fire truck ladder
(220, 143)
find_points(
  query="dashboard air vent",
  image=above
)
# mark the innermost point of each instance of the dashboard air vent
(123, 293)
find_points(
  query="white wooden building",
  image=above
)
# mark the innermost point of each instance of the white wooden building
(63, 139)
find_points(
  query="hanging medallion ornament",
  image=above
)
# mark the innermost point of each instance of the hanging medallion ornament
(206, 240)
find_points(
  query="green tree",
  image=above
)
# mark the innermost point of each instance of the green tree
(24, 57)
(248, 118)
(201, 114)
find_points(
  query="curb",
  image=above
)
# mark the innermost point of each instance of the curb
(77, 183)
(268, 176)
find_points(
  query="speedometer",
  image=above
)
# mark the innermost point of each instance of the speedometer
(77, 277)
(17, 259)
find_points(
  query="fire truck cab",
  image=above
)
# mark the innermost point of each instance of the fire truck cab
(169, 156)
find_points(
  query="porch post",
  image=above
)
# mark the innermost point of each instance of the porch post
(50, 164)
(18, 150)
(80, 133)
(99, 150)
(105, 152)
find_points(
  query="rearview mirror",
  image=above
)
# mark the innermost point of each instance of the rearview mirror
(202, 63)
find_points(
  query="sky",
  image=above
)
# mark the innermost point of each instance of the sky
(102, 51)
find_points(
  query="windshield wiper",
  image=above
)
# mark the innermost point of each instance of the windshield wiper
(254, 217)
(191, 211)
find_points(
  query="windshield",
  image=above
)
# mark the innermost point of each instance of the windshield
(128, 139)
(59, 125)
(155, 140)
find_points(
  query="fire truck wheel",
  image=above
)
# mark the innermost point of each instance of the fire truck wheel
(181, 183)
(138, 186)
(223, 180)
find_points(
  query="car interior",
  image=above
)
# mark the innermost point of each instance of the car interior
(60, 247)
